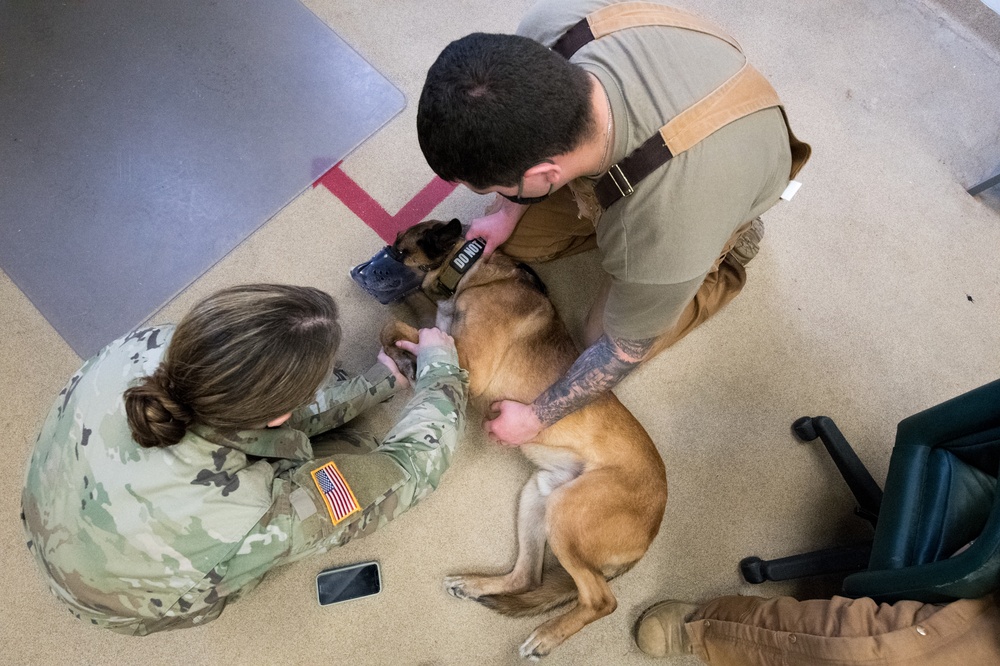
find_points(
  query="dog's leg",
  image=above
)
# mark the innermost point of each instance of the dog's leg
(527, 571)
(423, 308)
(397, 330)
(586, 535)
(445, 316)
(595, 601)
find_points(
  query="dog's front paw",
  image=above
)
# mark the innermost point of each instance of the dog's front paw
(407, 364)
(458, 587)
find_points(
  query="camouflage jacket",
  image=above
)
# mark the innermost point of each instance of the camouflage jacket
(141, 540)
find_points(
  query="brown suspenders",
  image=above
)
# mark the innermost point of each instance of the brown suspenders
(746, 92)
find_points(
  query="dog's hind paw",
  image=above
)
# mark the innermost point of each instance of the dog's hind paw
(455, 586)
(535, 647)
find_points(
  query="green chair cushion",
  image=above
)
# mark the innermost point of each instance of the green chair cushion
(956, 499)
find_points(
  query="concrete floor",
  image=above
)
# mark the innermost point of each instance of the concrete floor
(876, 294)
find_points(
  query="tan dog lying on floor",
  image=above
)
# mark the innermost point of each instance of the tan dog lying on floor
(599, 492)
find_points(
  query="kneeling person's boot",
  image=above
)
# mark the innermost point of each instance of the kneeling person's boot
(748, 244)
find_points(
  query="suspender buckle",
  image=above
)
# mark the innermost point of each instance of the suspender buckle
(620, 178)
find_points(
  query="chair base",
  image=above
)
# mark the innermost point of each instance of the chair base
(864, 488)
(985, 185)
(838, 560)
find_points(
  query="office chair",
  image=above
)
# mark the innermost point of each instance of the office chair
(937, 524)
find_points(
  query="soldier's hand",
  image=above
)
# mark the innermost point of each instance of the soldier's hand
(428, 337)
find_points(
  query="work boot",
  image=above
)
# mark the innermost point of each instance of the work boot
(660, 631)
(748, 244)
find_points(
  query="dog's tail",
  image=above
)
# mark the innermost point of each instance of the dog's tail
(557, 589)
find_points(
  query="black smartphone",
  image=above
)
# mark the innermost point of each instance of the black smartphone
(346, 583)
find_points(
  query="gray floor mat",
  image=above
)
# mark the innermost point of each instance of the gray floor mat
(141, 141)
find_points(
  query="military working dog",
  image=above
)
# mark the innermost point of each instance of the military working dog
(600, 489)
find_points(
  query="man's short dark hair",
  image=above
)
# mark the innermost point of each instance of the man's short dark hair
(493, 106)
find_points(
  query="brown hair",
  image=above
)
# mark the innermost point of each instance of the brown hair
(240, 358)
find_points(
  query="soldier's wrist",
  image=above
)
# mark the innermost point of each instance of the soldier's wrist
(436, 354)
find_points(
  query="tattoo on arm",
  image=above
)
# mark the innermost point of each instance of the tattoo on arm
(599, 369)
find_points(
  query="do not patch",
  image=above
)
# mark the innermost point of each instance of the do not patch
(337, 495)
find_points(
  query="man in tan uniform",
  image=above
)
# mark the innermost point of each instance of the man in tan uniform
(597, 96)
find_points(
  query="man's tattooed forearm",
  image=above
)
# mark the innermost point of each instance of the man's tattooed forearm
(632, 350)
(599, 369)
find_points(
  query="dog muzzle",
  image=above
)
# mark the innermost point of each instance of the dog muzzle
(387, 278)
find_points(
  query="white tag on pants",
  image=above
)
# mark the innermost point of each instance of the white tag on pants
(793, 187)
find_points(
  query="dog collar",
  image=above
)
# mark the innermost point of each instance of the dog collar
(460, 264)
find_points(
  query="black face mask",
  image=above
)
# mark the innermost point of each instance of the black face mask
(526, 201)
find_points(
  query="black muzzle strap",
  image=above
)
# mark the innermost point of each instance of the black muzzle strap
(460, 264)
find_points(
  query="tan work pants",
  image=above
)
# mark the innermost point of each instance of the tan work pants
(553, 229)
(751, 631)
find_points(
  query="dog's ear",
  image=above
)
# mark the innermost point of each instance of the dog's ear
(440, 239)
(453, 229)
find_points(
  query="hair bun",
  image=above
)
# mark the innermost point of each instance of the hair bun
(154, 416)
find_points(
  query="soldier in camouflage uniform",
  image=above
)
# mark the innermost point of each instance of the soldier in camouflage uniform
(140, 539)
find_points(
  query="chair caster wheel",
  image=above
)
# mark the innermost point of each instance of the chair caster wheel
(804, 429)
(752, 569)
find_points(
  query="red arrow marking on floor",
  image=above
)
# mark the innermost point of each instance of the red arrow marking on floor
(376, 217)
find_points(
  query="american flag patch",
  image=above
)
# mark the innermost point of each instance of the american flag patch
(339, 497)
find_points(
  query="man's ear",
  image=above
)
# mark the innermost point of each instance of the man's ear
(548, 170)
(440, 239)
